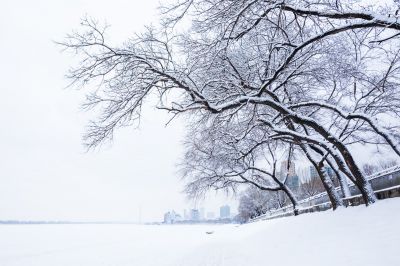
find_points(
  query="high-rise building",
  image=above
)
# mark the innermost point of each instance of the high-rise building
(328, 170)
(225, 212)
(202, 214)
(194, 215)
(167, 218)
(313, 172)
(171, 217)
(293, 182)
(292, 179)
(284, 169)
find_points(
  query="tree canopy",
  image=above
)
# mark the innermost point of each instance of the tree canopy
(313, 76)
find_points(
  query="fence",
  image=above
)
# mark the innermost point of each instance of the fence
(386, 184)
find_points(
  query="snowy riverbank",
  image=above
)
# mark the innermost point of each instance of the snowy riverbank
(353, 236)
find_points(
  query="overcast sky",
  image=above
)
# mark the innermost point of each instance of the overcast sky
(45, 173)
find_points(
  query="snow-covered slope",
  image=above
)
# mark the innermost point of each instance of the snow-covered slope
(353, 236)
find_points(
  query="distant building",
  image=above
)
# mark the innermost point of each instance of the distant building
(178, 218)
(225, 212)
(186, 215)
(168, 218)
(202, 214)
(172, 217)
(194, 215)
(293, 182)
(284, 169)
(328, 170)
(210, 215)
(292, 179)
(314, 173)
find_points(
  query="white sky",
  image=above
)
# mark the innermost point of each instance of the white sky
(45, 173)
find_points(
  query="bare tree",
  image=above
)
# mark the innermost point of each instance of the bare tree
(374, 167)
(312, 187)
(254, 202)
(369, 169)
(216, 159)
(385, 164)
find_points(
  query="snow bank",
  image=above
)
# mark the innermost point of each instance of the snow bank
(353, 236)
(367, 236)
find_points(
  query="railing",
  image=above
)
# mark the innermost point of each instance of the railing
(305, 203)
(382, 173)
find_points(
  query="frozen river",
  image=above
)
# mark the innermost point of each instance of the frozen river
(88, 244)
(348, 237)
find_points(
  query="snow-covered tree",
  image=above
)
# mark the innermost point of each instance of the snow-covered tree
(216, 158)
(254, 202)
(318, 75)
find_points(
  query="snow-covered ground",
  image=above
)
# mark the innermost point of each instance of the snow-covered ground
(354, 236)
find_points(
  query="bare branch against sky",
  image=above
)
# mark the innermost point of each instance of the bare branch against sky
(45, 172)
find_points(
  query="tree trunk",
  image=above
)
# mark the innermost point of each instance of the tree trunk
(342, 167)
(344, 186)
(290, 195)
(362, 183)
(360, 180)
(334, 197)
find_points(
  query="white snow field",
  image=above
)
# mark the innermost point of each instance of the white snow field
(353, 236)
